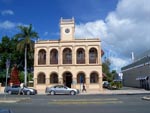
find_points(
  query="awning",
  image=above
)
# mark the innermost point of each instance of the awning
(141, 78)
(117, 80)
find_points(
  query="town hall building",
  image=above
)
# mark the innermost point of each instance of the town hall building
(69, 61)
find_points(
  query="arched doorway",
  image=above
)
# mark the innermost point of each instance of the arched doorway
(67, 79)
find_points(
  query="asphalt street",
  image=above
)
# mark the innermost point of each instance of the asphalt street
(76, 104)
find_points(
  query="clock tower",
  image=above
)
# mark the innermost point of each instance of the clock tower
(67, 29)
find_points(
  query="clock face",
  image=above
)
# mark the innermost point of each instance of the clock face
(67, 30)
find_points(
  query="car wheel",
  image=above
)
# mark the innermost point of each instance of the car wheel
(9, 92)
(28, 92)
(52, 92)
(72, 93)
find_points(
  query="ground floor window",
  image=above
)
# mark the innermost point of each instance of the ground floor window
(94, 78)
(41, 78)
(53, 78)
(81, 78)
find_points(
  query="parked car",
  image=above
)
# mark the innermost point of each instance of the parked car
(106, 84)
(15, 89)
(61, 89)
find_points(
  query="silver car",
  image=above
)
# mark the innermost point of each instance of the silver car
(15, 89)
(61, 89)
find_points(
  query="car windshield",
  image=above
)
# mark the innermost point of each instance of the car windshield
(15, 86)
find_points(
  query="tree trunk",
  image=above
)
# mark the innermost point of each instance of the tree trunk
(25, 67)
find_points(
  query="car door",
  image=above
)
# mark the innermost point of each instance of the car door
(66, 90)
(15, 89)
(59, 90)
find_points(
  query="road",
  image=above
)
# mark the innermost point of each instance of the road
(77, 104)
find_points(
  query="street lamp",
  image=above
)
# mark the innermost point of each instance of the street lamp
(7, 68)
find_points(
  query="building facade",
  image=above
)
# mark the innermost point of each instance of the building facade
(68, 61)
(137, 73)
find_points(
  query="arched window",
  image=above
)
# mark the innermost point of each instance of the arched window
(94, 78)
(53, 78)
(80, 56)
(81, 78)
(92, 55)
(42, 57)
(54, 56)
(67, 56)
(41, 78)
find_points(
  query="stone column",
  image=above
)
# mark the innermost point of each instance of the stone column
(99, 56)
(35, 57)
(47, 57)
(73, 55)
(100, 84)
(61, 80)
(59, 56)
(35, 82)
(86, 55)
(87, 83)
(74, 83)
(47, 82)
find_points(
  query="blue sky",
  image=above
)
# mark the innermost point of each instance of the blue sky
(123, 26)
(45, 14)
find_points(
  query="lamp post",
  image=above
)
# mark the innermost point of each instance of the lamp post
(7, 68)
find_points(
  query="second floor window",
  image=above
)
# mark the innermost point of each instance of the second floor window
(67, 56)
(80, 56)
(92, 55)
(42, 57)
(54, 56)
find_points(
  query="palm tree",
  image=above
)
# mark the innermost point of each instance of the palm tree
(25, 38)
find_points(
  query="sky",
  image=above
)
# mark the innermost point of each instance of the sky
(123, 26)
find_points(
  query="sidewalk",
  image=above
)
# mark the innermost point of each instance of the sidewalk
(124, 90)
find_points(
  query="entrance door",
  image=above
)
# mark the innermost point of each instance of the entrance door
(67, 77)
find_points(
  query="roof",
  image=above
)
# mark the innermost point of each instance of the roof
(144, 54)
(143, 60)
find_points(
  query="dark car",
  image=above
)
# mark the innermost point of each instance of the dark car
(61, 89)
(106, 84)
(15, 89)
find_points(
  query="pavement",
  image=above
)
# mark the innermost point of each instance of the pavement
(124, 90)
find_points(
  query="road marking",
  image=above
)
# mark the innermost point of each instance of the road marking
(86, 101)
(106, 99)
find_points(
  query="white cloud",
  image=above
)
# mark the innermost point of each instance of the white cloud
(91, 29)
(7, 25)
(117, 62)
(7, 12)
(45, 33)
(124, 30)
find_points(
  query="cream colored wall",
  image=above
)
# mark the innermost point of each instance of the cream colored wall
(73, 45)
(72, 68)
